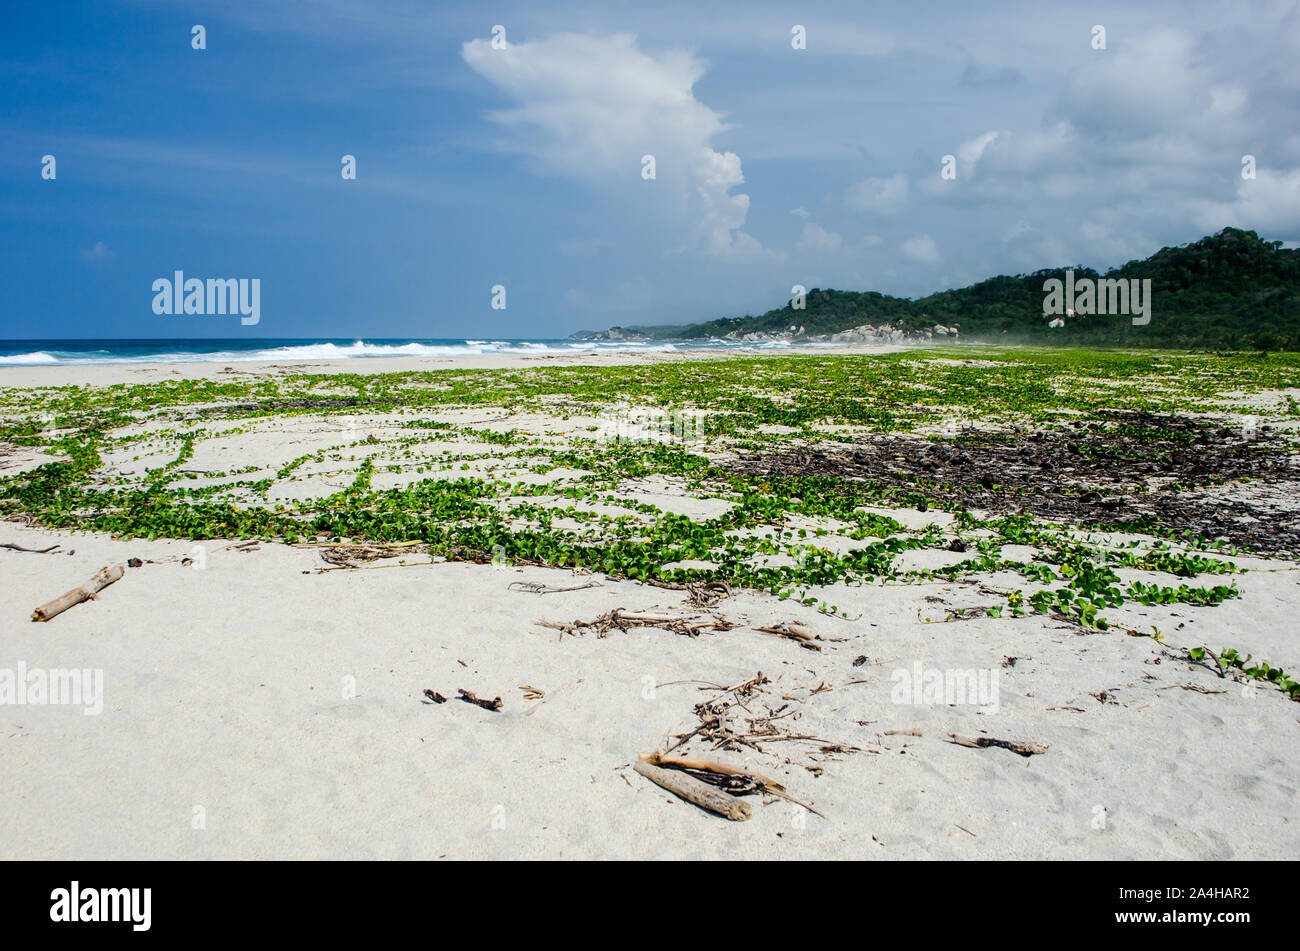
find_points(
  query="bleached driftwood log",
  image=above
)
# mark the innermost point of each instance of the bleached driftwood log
(695, 791)
(102, 579)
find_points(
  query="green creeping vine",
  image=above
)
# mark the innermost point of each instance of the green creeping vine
(565, 500)
(1231, 659)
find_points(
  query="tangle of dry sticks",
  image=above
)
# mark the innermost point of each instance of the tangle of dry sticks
(624, 620)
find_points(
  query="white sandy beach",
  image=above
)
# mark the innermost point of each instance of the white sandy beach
(106, 374)
(257, 706)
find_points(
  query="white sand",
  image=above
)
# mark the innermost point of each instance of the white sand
(103, 374)
(283, 707)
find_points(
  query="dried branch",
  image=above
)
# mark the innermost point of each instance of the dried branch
(794, 631)
(623, 620)
(1015, 746)
(469, 697)
(87, 592)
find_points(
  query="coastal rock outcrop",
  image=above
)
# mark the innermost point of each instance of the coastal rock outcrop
(613, 333)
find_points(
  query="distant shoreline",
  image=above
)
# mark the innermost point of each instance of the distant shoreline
(108, 372)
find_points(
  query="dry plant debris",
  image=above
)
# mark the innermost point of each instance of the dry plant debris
(737, 718)
(623, 620)
(470, 697)
(699, 594)
(34, 551)
(794, 631)
(535, 587)
(1015, 746)
(694, 790)
(350, 556)
(730, 780)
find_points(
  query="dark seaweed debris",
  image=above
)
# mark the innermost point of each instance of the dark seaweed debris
(1120, 470)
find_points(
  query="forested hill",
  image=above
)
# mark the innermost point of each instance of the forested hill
(1232, 290)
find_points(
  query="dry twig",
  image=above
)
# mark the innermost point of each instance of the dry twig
(535, 587)
(795, 632)
(1015, 746)
(469, 697)
(624, 620)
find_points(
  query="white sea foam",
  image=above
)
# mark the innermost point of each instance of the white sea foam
(328, 350)
(29, 359)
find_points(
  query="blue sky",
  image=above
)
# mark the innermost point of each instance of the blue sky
(522, 166)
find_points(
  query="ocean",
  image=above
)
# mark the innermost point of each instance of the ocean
(233, 350)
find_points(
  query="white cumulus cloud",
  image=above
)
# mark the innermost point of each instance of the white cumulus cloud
(591, 107)
(1270, 204)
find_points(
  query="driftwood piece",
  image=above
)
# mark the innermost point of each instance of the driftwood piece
(469, 697)
(33, 551)
(763, 783)
(435, 697)
(1015, 746)
(687, 762)
(794, 631)
(102, 579)
(695, 791)
(536, 587)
